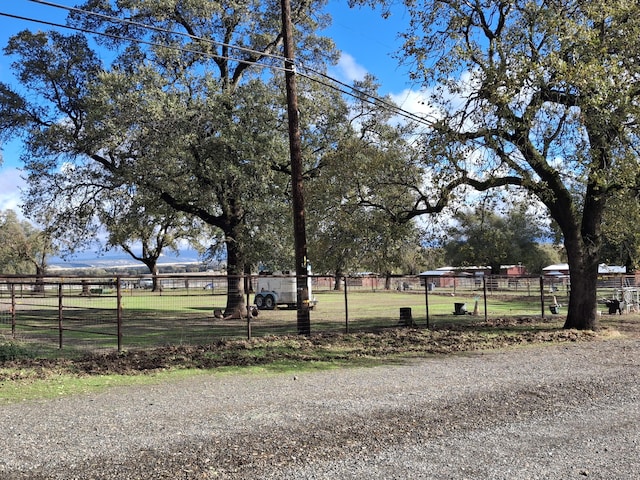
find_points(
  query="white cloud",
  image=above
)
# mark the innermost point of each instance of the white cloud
(10, 185)
(414, 101)
(348, 69)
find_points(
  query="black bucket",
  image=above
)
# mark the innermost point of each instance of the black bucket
(405, 316)
(459, 308)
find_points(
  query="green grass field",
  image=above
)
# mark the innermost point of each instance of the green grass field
(180, 316)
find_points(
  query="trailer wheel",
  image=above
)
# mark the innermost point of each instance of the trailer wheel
(269, 302)
(259, 301)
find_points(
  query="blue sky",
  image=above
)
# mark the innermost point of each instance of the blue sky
(366, 40)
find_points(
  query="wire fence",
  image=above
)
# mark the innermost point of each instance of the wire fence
(98, 313)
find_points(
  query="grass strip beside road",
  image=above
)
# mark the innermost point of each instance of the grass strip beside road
(26, 377)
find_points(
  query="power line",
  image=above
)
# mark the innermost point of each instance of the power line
(157, 29)
(370, 99)
(43, 22)
(138, 40)
(365, 96)
(347, 90)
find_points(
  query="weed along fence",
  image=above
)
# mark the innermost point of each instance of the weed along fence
(97, 313)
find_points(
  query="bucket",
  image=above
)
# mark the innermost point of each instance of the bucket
(405, 316)
(459, 308)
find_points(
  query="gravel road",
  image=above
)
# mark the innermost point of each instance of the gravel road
(561, 412)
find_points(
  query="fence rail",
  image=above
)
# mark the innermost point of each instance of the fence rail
(124, 312)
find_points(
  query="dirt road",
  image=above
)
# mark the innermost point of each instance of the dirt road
(554, 412)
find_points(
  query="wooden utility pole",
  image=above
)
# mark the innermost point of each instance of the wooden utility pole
(295, 148)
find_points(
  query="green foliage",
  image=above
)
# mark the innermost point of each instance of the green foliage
(182, 121)
(537, 96)
(351, 201)
(10, 351)
(23, 248)
(621, 232)
(484, 237)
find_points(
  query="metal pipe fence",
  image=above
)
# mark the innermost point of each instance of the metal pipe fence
(123, 312)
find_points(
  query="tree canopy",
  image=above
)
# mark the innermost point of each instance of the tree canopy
(540, 96)
(24, 249)
(621, 228)
(180, 115)
(483, 236)
(349, 235)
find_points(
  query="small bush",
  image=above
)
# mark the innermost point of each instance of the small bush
(12, 351)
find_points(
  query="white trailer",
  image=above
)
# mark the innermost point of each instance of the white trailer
(277, 289)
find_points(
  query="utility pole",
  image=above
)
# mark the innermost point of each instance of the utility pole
(297, 190)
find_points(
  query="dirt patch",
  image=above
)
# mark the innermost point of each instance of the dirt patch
(445, 339)
(568, 410)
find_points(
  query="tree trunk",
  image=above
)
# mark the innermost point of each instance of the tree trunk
(152, 265)
(39, 286)
(583, 275)
(582, 242)
(235, 283)
(337, 281)
(157, 285)
(583, 239)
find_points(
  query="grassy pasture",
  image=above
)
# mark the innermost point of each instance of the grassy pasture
(185, 316)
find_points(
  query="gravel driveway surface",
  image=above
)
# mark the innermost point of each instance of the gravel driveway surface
(561, 412)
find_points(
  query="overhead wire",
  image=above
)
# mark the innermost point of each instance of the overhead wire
(331, 82)
(155, 28)
(143, 42)
(364, 96)
(371, 99)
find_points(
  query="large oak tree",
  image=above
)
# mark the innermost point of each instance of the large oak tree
(181, 114)
(347, 235)
(24, 249)
(541, 95)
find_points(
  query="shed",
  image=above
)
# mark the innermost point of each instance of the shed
(442, 277)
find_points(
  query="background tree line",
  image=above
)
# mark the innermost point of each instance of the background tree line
(184, 119)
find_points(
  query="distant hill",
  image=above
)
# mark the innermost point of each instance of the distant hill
(119, 260)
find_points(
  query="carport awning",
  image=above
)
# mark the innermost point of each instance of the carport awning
(433, 273)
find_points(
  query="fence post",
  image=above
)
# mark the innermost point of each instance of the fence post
(13, 311)
(60, 316)
(247, 285)
(119, 312)
(484, 292)
(426, 298)
(346, 306)
(542, 294)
